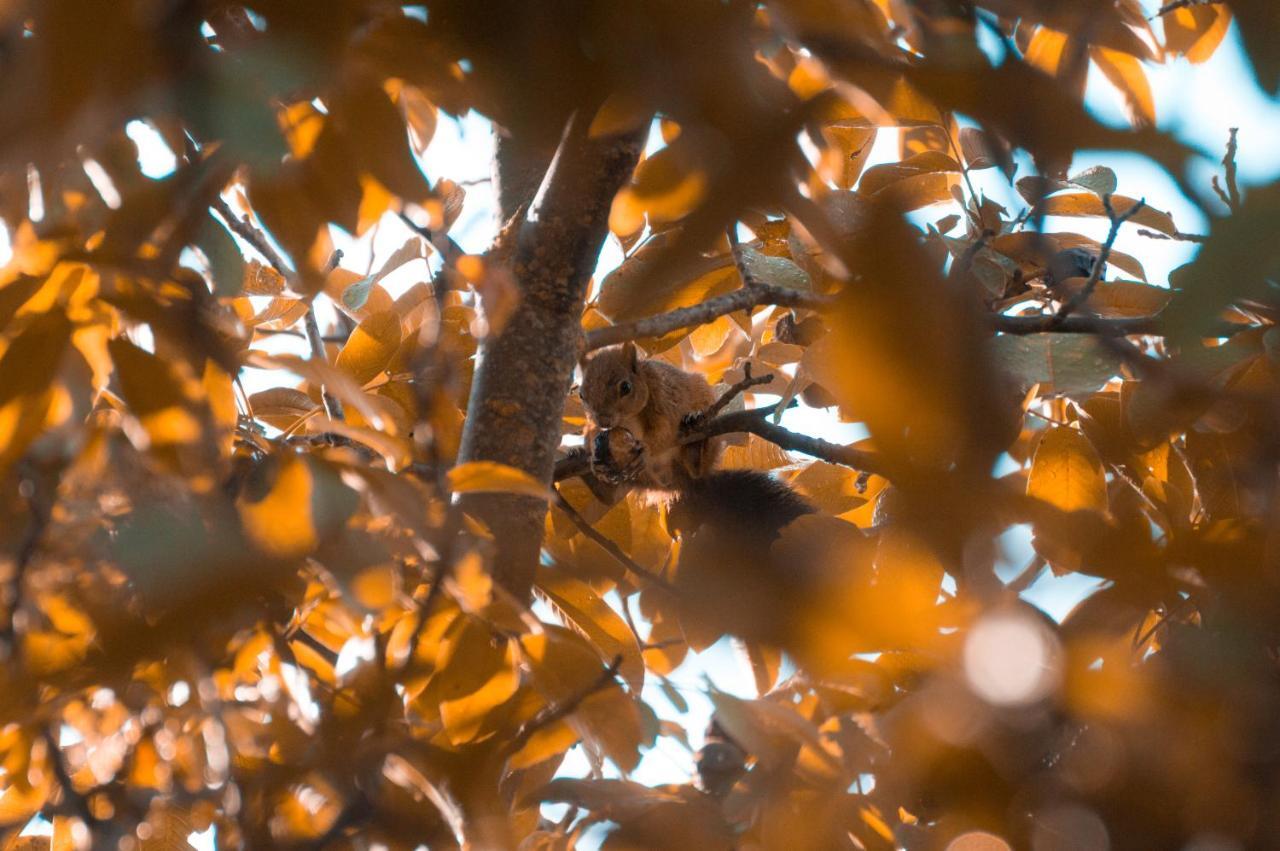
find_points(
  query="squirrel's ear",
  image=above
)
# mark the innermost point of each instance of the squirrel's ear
(630, 355)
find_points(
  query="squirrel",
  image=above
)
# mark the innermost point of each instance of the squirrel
(637, 410)
(729, 576)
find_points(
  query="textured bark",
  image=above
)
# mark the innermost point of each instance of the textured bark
(524, 374)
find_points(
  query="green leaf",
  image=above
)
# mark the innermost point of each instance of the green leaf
(356, 295)
(1098, 179)
(778, 271)
(1065, 364)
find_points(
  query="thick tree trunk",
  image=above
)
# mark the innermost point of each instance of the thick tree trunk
(524, 374)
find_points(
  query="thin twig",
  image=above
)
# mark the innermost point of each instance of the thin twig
(246, 230)
(1117, 219)
(293, 332)
(1229, 171)
(39, 512)
(607, 545)
(1176, 235)
(1174, 5)
(559, 711)
(748, 381)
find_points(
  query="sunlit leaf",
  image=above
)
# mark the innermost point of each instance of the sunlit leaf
(490, 476)
(1067, 473)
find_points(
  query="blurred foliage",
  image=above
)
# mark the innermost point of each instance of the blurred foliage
(265, 613)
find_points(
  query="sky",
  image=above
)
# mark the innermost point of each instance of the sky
(1198, 103)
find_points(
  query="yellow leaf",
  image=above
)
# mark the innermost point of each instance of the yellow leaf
(488, 476)
(301, 124)
(1067, 472)
(1089, 204)
(1046, 49)
(620, 113)
(281, 522)
(545, 743)
(371, 346)
(587, 613)
(463, 718)
(471, 584)
(1126, 74)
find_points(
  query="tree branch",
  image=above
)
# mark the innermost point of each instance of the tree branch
(514, 414)
(708, 311)
(756, 421)
(1231, 197)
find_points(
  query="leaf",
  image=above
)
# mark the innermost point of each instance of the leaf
(1066, 364)
(279, 520)
(1067, 473)
(565, 668)
(318, 373)
(371, 346)
(777, 271)
(545, 743)
(226, 262)
(260, 279)
(464, 717)
(419, 113)
(1034, 251)
(30, 363)
(356, 295)
(1196, 31)
(630, 291)
(1126, 74)
(584, 611)
(982, 149)
(1111, 299)
(771, 731)
(667, 186)
(1088, 204)
(281, 407)
(1098, 179)
(1240, 260)
(619, 800)
(620, 113)
(490, 476)
(292, 503)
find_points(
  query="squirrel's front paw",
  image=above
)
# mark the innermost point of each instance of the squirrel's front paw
(693, 421)
(616, 455)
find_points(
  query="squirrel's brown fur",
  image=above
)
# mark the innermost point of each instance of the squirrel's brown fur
(650, 399)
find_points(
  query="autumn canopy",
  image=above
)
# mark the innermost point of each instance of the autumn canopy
(295, 548)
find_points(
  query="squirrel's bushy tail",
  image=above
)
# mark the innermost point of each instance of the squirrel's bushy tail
(747, 504)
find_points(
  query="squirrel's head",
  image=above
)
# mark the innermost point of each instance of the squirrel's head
(612, 386)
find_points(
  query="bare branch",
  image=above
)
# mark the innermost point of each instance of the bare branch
(1174, 5)
(756, 422)
(748, 381)
(708, 311)
(1176, 235)
(1229, 171)
(245, 229)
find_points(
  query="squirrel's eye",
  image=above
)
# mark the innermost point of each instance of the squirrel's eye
(624, 388)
